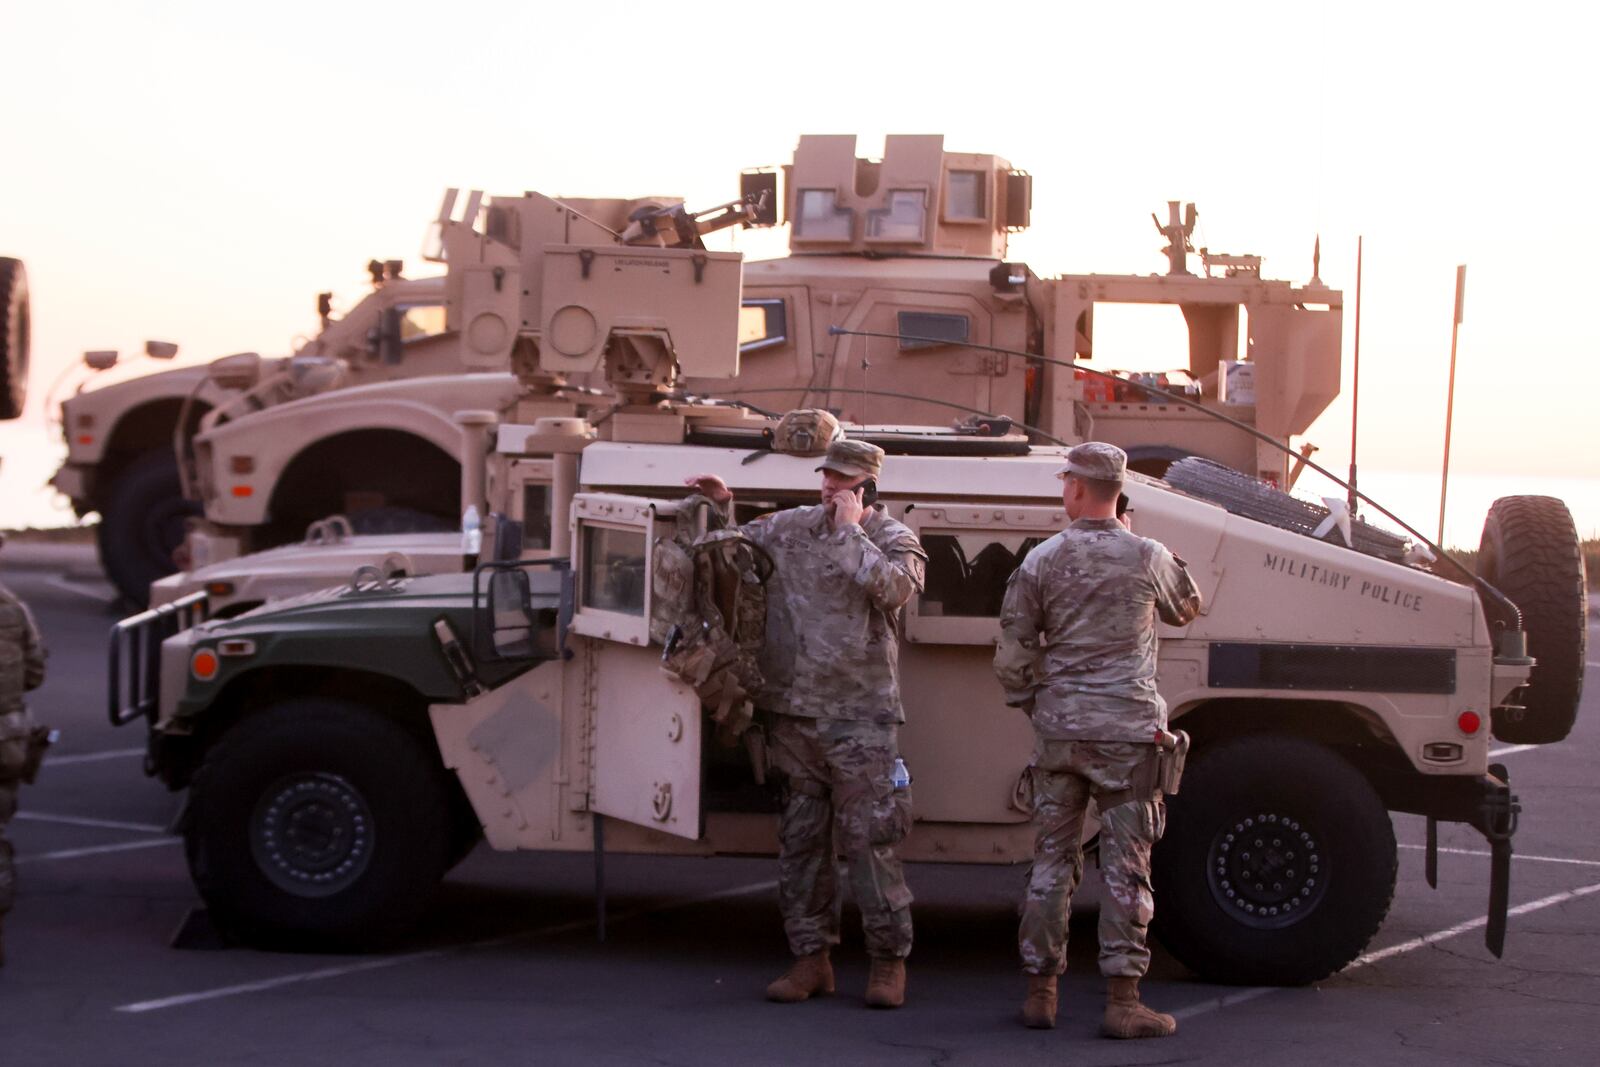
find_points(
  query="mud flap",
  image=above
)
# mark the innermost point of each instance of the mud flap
(1499, 823)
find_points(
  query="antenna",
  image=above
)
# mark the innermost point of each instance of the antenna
(1450, 397)
(1355, 387)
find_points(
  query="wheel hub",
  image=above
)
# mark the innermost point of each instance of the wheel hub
(1267, 870)
(312, 834)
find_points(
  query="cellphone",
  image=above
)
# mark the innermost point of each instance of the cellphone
(869, 492)
(1122, 504)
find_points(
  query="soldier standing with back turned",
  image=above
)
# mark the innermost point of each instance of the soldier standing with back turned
(22, 743)
(1077, 652)
(843, 570)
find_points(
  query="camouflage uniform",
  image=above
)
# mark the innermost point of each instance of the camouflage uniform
(21, 669)
(1078, 652)
(830, 670)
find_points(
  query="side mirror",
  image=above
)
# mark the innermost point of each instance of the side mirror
(160, 349)
(239, 371)
(100, 359)
(511, 621)
(384, 343)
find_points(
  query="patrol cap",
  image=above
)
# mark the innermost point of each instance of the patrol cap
(853, 459)
(1097, 460)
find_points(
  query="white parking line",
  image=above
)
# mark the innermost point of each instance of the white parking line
(1510, 750)
(1255, 992)
(103, 824)
(1515, 856)
(92, 757)
(74, 853)
(1472, 924)
(324, 973)
(103, 597)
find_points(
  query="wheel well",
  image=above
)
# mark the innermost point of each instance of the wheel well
(1357, 734)
(254, 690)
(361, 469)
(140, 429)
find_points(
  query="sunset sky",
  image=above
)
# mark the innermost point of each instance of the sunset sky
(196, 172)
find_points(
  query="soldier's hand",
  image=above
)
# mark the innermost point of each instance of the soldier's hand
(711, 487)
(847, 508)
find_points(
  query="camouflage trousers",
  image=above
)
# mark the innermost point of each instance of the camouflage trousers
(1065, 775)
(839, 797)
(8, 871)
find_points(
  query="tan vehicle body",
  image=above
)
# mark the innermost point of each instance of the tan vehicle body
(610, 723)
(862, 261)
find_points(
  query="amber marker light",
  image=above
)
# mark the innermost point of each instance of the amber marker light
(242, 464)
(203, 665)
(219, 588)
(1470, 722)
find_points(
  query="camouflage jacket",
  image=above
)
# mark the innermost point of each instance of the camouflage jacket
(21, 653)
(832, 649)
(1077, 632)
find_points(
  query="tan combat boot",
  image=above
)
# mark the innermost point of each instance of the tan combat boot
(808, 976)
(1126, 1017)
(1039, 1009)
(886, 983)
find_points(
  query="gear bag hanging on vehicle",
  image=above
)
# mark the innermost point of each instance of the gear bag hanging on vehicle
(709, 612)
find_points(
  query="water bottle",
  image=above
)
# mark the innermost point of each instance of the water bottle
(900, 777)
(471, 537)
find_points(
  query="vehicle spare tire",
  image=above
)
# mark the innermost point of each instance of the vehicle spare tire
(1530, 552)
(1252, 498)
(14, 330)
(142, 521)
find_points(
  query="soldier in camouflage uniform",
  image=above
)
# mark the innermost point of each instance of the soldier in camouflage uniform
(844, 569)
(21, 669)
(1077, 651)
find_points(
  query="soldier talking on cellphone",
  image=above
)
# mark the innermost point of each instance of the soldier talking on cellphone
(843, 570)
(1077, 652)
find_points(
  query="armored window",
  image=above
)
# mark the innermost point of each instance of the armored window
(820, 217)
(421, 320)
(905, 218)
(932, 329)
(963, 196)
(535, 517)
(614, 573)
(967, 572)
(762, 324)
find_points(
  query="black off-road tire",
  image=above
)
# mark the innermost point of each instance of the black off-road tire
(142, 522)
(15, 328)
(318, 823)
(1262, 821)
(1530, 552)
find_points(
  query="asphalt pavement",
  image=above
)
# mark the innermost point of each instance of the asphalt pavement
(507, 968)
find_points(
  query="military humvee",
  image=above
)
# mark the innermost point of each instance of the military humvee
(911, 249)
(343, 748)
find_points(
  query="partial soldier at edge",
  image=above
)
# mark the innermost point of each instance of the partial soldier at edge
(1077, 652)
(844, 569)
(22, 742)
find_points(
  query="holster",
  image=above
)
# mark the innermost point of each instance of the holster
(39, 739)
(1174, 749)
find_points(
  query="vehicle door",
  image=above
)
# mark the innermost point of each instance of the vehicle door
(644, 724)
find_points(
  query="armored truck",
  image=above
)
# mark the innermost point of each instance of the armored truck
(896, 304)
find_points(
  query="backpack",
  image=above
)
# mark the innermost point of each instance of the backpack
(709, 612)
